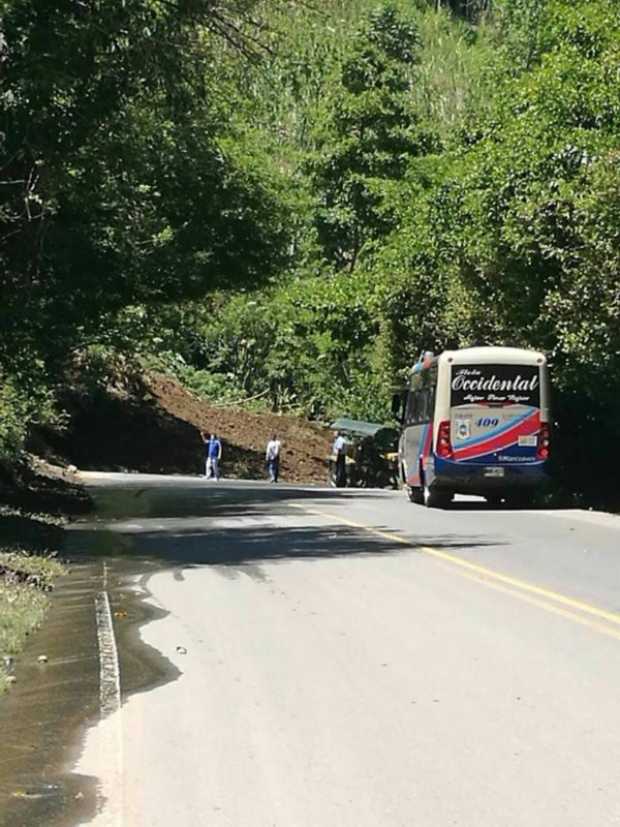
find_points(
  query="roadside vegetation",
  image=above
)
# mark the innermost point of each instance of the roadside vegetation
(286, 202)
(25, 581)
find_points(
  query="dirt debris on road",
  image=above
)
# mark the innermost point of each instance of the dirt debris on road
(156, 429)
(245, 434)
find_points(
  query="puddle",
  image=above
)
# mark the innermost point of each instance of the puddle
(33, 803)
(135, 533)
(234, 572)
(42, 714)
(45, 715)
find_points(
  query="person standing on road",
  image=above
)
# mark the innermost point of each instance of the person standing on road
(339, 450)
(272, 457)
(213, 451)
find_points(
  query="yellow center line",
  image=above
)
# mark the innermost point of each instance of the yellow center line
(486, 575)
(541, 604)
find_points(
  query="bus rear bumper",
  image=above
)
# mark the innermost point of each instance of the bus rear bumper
(484, 480)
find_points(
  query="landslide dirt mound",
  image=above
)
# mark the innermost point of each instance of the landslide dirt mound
(244, 434)
(158, 431)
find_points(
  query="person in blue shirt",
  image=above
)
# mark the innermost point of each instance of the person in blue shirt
(213, 455)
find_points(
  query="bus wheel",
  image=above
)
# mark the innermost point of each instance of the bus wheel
(429, 498)
(493, 499)
(435, 499)
(415, 495)
(522, 500)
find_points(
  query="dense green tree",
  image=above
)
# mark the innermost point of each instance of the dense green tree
(307, 344)
(119, 182)
(514, 239)
(470, 9)
(368, 135)
(116, 184)
(136, 180)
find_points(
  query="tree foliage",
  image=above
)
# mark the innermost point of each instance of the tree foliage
(358, 181)
(119, 182)
(503, 230)
(368, 135)
(116, 184)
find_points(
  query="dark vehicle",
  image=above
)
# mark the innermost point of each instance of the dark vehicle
(371, 454)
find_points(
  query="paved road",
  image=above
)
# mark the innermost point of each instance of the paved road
(337, 659)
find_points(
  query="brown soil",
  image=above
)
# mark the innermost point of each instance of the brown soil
(158, 431)
(245, 434)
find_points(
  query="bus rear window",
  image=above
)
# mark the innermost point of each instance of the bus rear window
(495, 384)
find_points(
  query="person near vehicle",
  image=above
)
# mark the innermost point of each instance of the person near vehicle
(213, 452)
(272, 458)
(339, 450)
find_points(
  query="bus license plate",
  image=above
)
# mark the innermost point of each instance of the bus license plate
(493, 472)
(528, 441)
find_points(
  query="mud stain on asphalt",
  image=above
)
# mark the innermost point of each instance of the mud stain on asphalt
(142, 667)
(49, 705)
(45, 717)
(235, 572)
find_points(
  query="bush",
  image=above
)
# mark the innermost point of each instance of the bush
(24, 401)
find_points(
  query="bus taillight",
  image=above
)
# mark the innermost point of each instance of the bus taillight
(444, 446)
(544, 441)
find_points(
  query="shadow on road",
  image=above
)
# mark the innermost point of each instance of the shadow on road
(482, 506)
(504, 508)
(234, 526)
(28, 533)
(206, 499)
(193, 546)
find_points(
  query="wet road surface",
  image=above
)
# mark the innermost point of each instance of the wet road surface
(302, 657)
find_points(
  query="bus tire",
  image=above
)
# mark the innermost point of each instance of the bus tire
(435, 499)
(440, 499)
(429, 498)
(522, 500)
(493, 499)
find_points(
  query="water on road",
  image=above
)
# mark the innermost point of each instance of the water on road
(302, 657)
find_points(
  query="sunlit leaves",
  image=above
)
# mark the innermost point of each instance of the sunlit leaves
(368, 136)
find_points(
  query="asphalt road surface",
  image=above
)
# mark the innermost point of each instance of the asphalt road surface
(348, 659)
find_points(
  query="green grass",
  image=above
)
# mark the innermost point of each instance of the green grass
(23, 602)
(453, 75)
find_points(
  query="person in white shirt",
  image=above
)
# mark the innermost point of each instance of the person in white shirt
(272, 457)
(339, 450)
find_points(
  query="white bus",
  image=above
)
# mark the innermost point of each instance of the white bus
(475, 421)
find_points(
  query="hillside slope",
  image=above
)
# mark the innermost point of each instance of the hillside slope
(158, 431)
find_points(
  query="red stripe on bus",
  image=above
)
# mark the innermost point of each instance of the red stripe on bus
(527, 427)
(428, 443)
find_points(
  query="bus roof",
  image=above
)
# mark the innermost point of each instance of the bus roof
(500, 355)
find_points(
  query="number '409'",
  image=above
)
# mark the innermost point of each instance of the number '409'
(487, 422)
